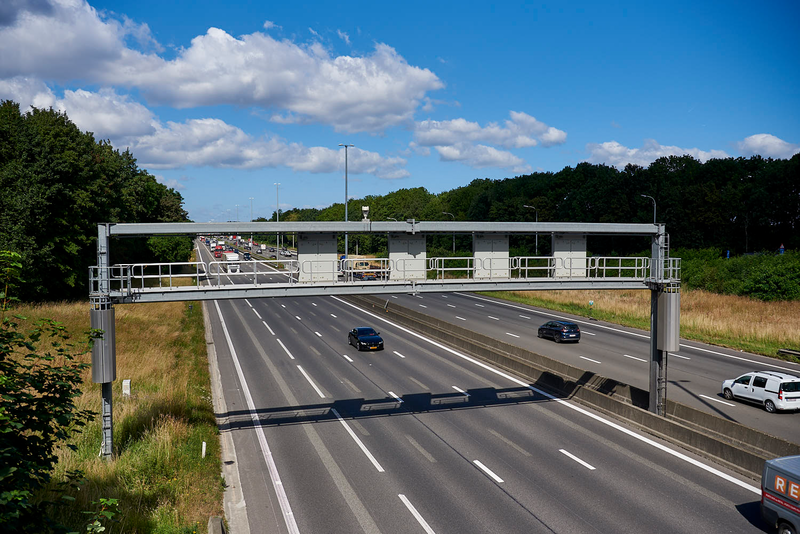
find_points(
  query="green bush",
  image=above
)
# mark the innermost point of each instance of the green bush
(763, 276)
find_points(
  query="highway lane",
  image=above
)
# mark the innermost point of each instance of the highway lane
(427, 446)
(695, 373)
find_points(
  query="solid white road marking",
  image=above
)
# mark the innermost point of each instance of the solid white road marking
(358, 441)
(268, 328)
(488, 471)
(634, 358)
(348, 358)
(716, 400)
(591, 360)
(570, 405)
(417, 516)
(284, 348)
(277, 484)
(457, 317)
(584, 464)
(313, 385)
(398, 354)
(460, 391)
(398, 399)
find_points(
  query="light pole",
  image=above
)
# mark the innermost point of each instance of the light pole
(654, 206)
(454, 232)
(536, 212)
(251, 219)
(277, 217)
(346, 146)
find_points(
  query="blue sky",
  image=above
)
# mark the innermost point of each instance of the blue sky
(223, 99)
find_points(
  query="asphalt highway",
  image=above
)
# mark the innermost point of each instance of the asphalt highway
(419, 438)
(694, 374)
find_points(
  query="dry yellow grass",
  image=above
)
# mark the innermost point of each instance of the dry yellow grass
(157, 474)
(727, 320)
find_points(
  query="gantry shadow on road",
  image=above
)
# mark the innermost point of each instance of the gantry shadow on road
(412, 403)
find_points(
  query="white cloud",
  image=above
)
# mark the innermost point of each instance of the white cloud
(521, 131)
(617, 155)
(67, 38)
(27, 92)
(268, 25)
(170, 182)
(479, 156)
(214, 143)
(343, 36)
(469, 142)
(768, 146)
(107, 114)
(72, 43)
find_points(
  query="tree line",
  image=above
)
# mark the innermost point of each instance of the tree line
(56, 184)
(741, 205)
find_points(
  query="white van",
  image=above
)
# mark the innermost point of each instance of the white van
(773, 390)
(780, 494)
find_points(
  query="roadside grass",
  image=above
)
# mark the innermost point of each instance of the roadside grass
(158, 476)
(739, 323)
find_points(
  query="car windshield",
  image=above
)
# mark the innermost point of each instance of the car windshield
(366, 332)
(790, 387)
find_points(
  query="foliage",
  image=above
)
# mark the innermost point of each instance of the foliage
(107, 510)
(38, 388)
(56, 184)
(735, 204)
(765, 277)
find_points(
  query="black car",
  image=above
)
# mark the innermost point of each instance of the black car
(365, 338)
(560, 331)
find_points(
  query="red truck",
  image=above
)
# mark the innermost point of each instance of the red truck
(218, 251)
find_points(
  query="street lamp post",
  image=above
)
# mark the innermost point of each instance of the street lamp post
(346, 146)
(251, 219)
(536, 212)
(277, 216)
(454, 232)
(654, 206)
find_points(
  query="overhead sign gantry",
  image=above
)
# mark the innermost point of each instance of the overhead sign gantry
(321, 269)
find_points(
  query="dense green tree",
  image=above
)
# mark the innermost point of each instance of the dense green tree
(57, 183)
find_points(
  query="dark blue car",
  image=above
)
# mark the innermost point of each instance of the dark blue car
(560, 331)
(365, 338)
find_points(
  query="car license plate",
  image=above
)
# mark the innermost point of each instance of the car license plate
(373, 347)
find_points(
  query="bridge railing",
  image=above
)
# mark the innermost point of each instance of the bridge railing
(142, 277)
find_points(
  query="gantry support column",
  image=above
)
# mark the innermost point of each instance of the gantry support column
(104, 350)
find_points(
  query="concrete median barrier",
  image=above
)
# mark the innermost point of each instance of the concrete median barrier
(739, 447)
